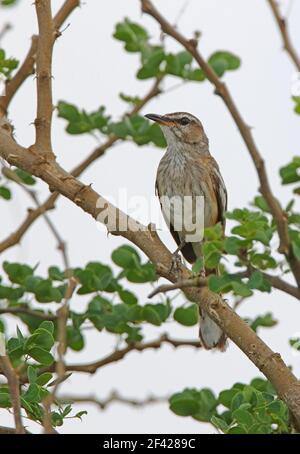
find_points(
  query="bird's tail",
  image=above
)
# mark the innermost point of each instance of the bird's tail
(211, 335)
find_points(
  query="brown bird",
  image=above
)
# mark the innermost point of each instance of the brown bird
(187, 171)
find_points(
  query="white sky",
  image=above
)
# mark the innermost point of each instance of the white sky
(90, 69)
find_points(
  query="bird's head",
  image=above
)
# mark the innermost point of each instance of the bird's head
(181, 128)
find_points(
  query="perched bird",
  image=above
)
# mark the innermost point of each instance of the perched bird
(188, 171)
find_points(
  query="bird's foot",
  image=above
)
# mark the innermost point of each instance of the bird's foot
(202, 273)
(176, 263)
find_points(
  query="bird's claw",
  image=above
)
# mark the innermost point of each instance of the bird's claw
(176, 263)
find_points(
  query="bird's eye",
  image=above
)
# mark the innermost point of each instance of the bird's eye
(184, 121)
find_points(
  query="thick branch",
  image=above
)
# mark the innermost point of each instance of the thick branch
(44, 78)
(283, 29)
(243, 336)
(221, 89)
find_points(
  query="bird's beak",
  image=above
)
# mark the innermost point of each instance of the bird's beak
(160, 119)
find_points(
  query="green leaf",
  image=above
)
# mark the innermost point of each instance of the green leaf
(198, 266)
(219, 423)
(32, 394)
(295, 343)
(80, 414)
(290, 173)
(5, 401)
(243, 417)
(187, 316)
(17, 273)
(43, 379)
(80, 122)
(132, 34)
(222, 61)
(75, 339)
(127, 296)
(41, 337)
(151, 62)
(55, 274)
(260, 202)
(126, 257)
(26, 177)
(41, 355)
(7, 65)
(151, 315)
(241, 289)
(5, 193)
(32, 374)
(266, 321)
(296, 249)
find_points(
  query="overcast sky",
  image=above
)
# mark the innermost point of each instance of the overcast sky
(90, 69)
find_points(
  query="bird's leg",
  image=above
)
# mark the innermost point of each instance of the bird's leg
(176, 259)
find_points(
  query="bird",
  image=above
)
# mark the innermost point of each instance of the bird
(188, 171)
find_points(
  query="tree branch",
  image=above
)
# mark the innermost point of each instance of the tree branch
(13, 384)
(283, 29)
(193, 282)
(27, 311)
(117, 355)
(44, 78)
(90, 201)
(221, 89)
(114, 397)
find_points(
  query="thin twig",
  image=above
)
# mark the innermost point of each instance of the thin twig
(283, 29)
(27, 311)
(193, 282)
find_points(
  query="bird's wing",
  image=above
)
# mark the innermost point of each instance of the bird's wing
(220, 191)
